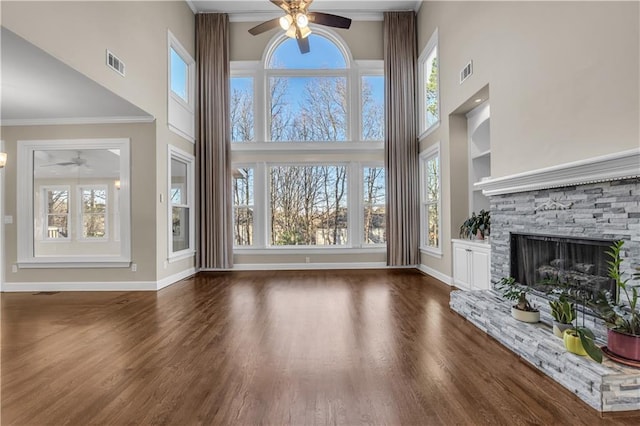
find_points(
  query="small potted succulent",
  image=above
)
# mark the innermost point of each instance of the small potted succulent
(477, 226)
(622, 319)
(563, 312)
(522, 310)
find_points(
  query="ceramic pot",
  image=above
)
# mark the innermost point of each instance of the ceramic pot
(624, 345)
(572, 342)
(559, 328)
(525, 316)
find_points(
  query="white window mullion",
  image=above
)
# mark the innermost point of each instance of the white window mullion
(261, 210)
(354, 201)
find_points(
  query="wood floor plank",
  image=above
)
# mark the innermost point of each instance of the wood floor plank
(283, 348)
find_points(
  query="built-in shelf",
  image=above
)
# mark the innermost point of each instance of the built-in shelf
(479, 140)
(483, 154)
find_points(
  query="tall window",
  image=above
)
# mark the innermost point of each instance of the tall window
(243, 206)
(429, 81)
(430, 200)
(317, 121)
(374, 196)
(181, 90)
(181, 214)
(93, 211)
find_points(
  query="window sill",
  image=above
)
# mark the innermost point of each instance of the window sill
(175, 257)
(50, 263)
(311, 250)
(437, 253)
(430, 130)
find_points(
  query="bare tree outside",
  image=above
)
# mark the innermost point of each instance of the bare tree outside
(94, 212)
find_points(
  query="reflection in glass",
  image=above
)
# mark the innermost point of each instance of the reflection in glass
(73, 202)
(180, 207)
(180, 228)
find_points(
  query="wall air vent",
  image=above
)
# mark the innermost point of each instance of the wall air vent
(466, 72)
(115, 63)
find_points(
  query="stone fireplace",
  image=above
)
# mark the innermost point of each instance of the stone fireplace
(557, 224)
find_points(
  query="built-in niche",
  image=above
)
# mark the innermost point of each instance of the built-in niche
(74, 203)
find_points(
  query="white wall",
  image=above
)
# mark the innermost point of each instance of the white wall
(78, 33)
(563, 80)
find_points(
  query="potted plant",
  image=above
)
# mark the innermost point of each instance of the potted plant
(563, 312)
(477, 226)
(580, 339)
(622, 319)
(522, 310)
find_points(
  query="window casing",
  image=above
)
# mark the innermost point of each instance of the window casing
(55, 232)
(56, 213)
(429, 87)
(273, 147)
(94, 217)
(430, 201)
(181, 213)
(181, 89)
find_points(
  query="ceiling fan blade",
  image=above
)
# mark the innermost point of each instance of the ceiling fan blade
(265, 26)
(329, 20)
(303, 44)
(282, 4)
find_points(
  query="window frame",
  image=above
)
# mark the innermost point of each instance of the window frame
(425, 156)
(369, 165)
(44, 190)
(26, 214)
(184, 157)
(181, 113)
(431, 45)
(261, 154)
(81, 213)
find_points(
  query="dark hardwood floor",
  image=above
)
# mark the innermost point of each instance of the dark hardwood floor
(309, 347)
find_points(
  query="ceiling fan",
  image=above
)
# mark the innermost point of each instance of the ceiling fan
(75, 161)
(297, 19)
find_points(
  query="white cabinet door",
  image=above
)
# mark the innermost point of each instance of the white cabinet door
(481, 270)
(461, 272)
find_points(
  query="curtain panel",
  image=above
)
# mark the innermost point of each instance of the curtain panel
(401, 144)
(213, 145)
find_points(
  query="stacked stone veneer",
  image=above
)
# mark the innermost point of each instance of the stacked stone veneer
(606, 210)
(606, 387)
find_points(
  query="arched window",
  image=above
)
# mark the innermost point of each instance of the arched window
(307, 152)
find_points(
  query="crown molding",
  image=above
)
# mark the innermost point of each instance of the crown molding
(620, 165)
(76, 120)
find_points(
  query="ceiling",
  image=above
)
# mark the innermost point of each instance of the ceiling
(39, 89)
(256, 10)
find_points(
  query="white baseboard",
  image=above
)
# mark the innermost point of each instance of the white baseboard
(30, 287)
(436, 274)
(172, 279)
(301, 266)
(80, 286)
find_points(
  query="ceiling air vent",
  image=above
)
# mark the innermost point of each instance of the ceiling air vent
(114, 63)
(466, 72)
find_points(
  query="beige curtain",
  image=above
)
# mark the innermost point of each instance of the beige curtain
(213, 146)
(401, 145)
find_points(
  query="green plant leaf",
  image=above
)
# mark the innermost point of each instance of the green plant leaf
(586, 338)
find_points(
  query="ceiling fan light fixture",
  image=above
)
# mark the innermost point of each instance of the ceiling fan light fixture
(302, 20)
(304, 32)
(291, 32)
(285, 22)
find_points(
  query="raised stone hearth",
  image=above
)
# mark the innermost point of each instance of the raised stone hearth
(607, 387)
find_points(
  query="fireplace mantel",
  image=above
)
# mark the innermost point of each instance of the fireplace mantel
(621, 165)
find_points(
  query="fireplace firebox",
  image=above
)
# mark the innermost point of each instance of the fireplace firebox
(540, 261)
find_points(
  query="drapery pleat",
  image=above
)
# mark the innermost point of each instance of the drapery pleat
(213, 146)
(401, 145)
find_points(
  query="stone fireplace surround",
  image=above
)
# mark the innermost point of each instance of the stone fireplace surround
(597, 198)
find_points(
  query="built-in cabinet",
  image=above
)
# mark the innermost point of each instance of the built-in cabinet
(479, 136)
(471, 264)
